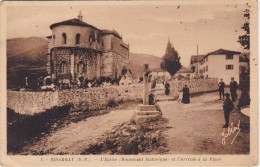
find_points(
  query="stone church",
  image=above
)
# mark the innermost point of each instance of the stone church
(79, 49)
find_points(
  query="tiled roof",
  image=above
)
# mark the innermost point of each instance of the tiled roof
(195, 57)
(223, 51)
(184, 70)
(157, 70)
(75, 22)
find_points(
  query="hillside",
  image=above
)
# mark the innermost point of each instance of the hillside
(140, 59)
(26, 52)
(29, 54)
(137, 61)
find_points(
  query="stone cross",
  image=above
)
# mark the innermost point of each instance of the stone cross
(146, 84)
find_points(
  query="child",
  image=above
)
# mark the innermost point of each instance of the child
(152, 101)
(227, 107)
(151, 98)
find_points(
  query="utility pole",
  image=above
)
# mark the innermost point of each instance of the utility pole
(197, 60)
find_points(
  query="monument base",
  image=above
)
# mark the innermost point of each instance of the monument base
(144, 114)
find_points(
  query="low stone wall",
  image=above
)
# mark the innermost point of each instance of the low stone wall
(30, 103)
(195, 86)
(98, 98)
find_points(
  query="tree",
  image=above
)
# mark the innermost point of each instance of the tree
(244, 40)
(171, 60)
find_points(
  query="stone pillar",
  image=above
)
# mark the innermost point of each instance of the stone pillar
(146, 85)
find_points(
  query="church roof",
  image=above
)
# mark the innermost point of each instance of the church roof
(75, 22)
(104, 32)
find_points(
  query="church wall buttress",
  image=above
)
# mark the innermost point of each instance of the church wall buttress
(107, 64)
(98, 66)
(72, 60)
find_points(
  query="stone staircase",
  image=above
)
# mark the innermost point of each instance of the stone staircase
(143, 114)
(165, 98)
(160, 95)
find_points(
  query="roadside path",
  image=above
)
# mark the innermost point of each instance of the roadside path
(196, 128)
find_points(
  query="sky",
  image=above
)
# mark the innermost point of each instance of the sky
(146, 27)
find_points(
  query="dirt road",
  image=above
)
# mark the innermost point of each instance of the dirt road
(196, 128)
(76, 137)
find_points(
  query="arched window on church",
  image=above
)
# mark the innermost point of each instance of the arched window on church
(64, 38)
(81, 67)
(77, 39)
(63, 67)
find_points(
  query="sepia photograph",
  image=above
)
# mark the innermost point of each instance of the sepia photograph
(131, 78)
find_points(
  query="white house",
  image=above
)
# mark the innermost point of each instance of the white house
(221, 64)
(185, 72)
(194, 60)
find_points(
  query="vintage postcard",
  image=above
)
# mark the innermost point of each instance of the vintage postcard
(129, 83)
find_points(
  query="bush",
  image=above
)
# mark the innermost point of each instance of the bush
(111, 103)
(180, 77)
(188, 77)
(120, 101)
(141, 79)
(244, 99)
(195, 77)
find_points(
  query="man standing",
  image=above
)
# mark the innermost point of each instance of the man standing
(227, 107)
(221, 86)
(233, 89)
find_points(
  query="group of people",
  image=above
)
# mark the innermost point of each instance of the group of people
(233, 89)
(228, 105)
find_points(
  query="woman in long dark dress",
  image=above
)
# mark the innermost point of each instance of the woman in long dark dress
(186, 95)
(167, 88)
